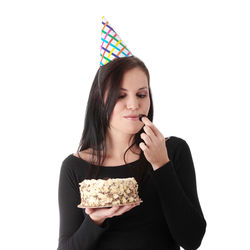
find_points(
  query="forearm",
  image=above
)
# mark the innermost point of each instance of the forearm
(86, 237)
(184, 219)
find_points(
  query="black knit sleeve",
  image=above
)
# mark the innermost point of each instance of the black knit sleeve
(77, 230)
(176, 185)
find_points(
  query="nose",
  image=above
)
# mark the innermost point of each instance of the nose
(132, 103)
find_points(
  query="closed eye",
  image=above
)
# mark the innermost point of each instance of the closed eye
(121, 96)
(139, 95)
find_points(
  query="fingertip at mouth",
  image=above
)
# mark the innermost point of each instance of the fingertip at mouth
(140, 116)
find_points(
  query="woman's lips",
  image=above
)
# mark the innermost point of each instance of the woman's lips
(132, 117)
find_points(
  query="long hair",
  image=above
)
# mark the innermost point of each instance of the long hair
(98, 113)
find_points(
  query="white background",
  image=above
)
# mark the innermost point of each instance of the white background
(197, 53)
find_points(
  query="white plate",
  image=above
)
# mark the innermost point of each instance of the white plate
(131, 203)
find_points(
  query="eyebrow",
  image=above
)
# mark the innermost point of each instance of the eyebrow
(138, 89)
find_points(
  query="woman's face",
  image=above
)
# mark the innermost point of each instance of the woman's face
(132, 101)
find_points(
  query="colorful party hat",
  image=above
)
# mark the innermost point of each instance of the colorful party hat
(112, 46)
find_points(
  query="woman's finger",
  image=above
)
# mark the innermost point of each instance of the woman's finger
(146, 138)
(147, 122)
(143, 147)
(149, 132)
(110, 212)
(89, 210)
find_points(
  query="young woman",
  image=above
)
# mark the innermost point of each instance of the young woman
(116, 143)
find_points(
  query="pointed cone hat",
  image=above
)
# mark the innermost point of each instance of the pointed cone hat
(112, 46)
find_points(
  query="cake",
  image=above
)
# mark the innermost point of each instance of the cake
(108, 193)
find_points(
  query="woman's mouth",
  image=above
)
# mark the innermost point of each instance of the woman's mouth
(132, 117)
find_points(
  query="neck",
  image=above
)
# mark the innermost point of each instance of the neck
(117, 145)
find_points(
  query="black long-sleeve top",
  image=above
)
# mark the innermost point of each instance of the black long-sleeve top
(170, 215)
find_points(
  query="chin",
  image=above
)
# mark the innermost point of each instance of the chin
(129, 129)
(132, 130)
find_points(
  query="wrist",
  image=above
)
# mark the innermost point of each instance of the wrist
(159, 165)
(98, 222)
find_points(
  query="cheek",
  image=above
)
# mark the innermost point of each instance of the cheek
(115, 113)
(146, 105)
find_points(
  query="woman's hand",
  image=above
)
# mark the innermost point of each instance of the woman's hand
(98, 215)
(154, 147)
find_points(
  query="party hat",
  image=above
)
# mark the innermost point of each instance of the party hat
(112, 46)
